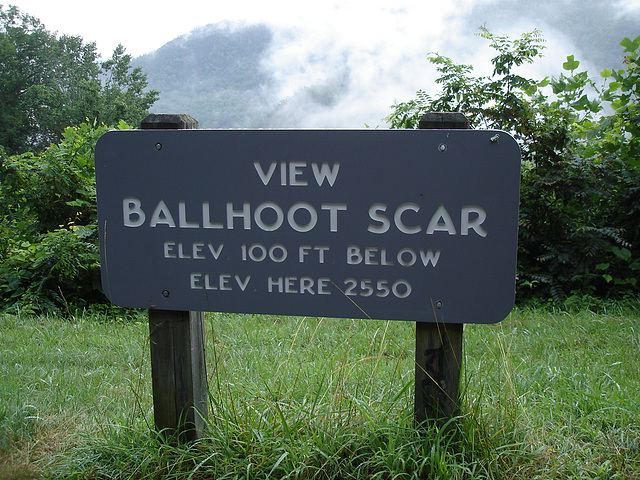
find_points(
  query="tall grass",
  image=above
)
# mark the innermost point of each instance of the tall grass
(545, 395)
(62, 377)
(560, 390)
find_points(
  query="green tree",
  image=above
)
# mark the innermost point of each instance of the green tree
(123, 95)
(48, 84)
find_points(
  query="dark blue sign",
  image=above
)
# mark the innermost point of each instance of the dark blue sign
(416, 225)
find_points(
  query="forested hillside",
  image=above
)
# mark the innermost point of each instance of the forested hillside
(220, 75)
(213, 73)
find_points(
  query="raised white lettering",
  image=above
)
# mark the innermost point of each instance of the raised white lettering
(196, 251)
(206, 217)
(333, 209)
(295, 172)
(168, 250)
(265, 177)
(292, 173)
(244, 214)
(298, 285)
(435, 225)
(221, 282)
(321, 251)
(397, 218)
(257, 216)
(429, 257)
(466, 224)
(215, 251)
(132, 213)
(377, 217)
(313, 217)
(325, 173)
(162, 216)
(406, 257)
(182, 217)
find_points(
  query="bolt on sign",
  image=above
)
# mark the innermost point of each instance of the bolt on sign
(416, 225)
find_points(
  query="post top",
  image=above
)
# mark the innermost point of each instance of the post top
(168, 121)
(444, 120)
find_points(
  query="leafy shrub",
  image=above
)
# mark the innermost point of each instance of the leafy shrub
(48, 236)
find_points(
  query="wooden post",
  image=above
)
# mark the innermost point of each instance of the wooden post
(178, 369)
(438, 345)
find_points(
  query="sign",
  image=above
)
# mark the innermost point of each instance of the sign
(416, 225)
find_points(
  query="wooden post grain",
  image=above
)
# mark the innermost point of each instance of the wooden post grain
(178, 369)
(438, 345)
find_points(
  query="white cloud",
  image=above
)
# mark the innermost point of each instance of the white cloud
(383, 48)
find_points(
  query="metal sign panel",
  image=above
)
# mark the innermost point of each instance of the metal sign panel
(416, 225)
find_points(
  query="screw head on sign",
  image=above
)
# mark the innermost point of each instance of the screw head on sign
(438, 304)
(442, 147)
(158, 146)
(165, 293)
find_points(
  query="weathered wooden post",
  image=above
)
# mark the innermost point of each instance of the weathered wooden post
(438, 345)
(178, 368)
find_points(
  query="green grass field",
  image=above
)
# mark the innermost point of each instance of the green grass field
(546, 395)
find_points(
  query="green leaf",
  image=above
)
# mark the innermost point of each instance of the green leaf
(629, 45)
(602, 266)
(606, 73)
(622, 253)
(544, 82)
(571, 63)
(581, 104)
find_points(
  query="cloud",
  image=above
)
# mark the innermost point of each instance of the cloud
(373, 53)
(383, 50)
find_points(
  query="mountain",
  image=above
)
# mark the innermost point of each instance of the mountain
(214, 73)
(218, 75)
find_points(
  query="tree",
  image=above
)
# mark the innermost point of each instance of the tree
(123, 95)
(49, 83)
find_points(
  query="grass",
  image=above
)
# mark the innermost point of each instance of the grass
(546, 394)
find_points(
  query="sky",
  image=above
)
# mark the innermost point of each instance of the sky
(143, 26)
(383, 43)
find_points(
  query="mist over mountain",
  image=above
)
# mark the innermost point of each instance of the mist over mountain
(234, 75)
(224, 76)
(213, 73)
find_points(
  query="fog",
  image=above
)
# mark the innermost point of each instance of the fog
(371, 61)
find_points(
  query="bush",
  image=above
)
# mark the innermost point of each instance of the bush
(48, 236)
